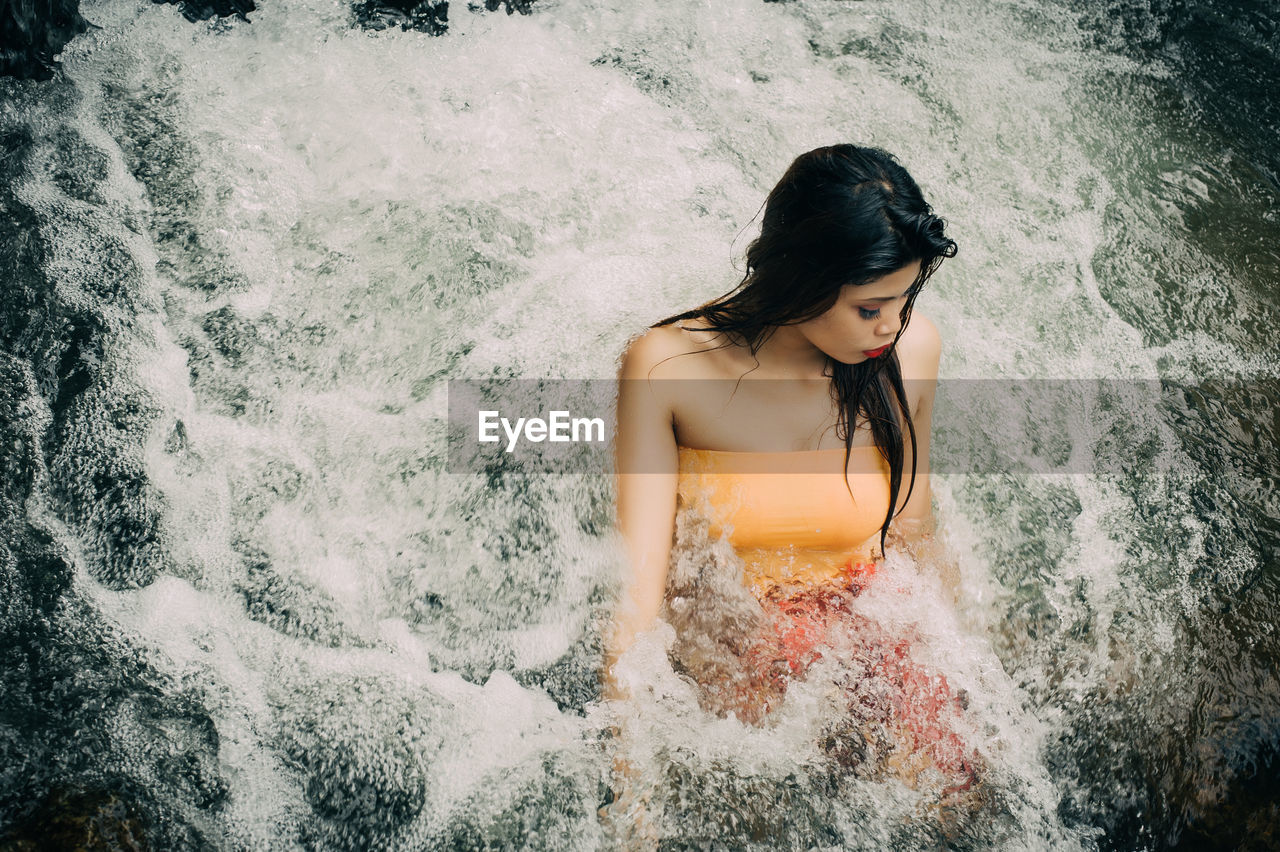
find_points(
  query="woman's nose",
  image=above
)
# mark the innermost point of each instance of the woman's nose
(889, 325)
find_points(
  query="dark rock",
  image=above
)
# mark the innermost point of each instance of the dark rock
(19, 447)
(572, 681)
(80, 821)
(78, 167)
(203, 10)
(82, 710)
(648, 74)
(22, 253)
(233, 336)
(174, 741)
(93, 739)
(81, 339)
(289, 604)
(34, 574)
(708, 802)
(33, 32)
(526, 807)
(1244, 812)
(60, 323)
(144, 122)
(177, 442)
(116, 271)
(524, 7)
(100, 485)
(365, 745)
(427, 16)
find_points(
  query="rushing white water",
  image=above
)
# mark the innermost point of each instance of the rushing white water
(342, 221)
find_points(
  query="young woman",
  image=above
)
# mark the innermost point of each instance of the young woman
(793, 414)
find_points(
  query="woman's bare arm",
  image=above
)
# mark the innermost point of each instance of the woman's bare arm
(647, 459)
(920, 353)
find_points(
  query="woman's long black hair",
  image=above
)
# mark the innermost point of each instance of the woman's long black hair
(841, 215)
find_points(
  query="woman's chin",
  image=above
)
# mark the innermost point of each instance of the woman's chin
(852, 359)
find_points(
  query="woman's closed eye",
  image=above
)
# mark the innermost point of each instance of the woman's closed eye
(868, 313)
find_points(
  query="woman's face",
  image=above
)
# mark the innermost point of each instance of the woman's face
(865, 318)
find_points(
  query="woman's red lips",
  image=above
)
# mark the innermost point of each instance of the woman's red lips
(873, 353)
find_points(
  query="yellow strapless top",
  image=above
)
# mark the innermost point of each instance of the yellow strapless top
(789, 515)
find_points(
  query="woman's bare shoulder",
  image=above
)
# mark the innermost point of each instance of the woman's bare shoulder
(657, 354)
(920, 349)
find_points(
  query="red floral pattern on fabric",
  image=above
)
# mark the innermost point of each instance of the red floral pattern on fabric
(885, 687)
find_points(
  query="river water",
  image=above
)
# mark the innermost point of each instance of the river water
(247, 603)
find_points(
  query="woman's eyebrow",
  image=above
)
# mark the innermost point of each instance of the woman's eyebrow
(885, 298)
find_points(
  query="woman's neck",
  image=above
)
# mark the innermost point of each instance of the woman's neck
(788, 354)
